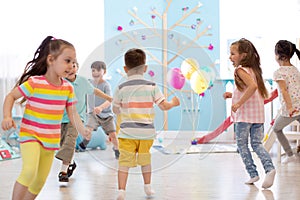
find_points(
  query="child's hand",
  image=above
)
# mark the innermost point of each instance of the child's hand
(227, 95)
(98, 110)
(8, 123)
(235, 107)
(87, 134)
(292, 112)
(175, 101)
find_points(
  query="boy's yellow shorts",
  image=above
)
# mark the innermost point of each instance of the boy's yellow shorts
(134, 152)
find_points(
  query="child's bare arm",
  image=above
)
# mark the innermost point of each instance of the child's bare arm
(9, 101)
(77, 123)
(167, 105)
(251, 87)
(102, 95)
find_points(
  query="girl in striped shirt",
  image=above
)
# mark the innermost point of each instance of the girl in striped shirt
(46, 94)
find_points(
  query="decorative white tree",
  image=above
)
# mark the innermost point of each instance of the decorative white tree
(164, 34)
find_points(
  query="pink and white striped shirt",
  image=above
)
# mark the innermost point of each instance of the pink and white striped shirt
(252, 111)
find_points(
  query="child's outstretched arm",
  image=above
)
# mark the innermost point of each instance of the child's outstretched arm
(251, 87)
(102, 95)
(77, 123)
(9, 101)
(167, 105)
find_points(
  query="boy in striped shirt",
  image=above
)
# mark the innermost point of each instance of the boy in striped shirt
(134, 101)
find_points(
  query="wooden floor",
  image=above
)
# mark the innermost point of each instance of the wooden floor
(186, 177)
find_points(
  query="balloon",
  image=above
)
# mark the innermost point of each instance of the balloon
(188, 67)
(209, 74)
(175, 78)
(198, 82)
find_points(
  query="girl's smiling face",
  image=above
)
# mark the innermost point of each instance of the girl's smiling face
(72, 75)
(63, 64)
(235, 57)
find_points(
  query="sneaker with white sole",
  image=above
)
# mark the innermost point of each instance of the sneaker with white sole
(252, 180)
(289, 159)
(269, 179)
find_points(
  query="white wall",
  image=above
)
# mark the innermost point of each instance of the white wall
(25, 23)
(264, 22)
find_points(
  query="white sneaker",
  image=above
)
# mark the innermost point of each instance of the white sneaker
(269, 179)
(252, 180)
(289, 159)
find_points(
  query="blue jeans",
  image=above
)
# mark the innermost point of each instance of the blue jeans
(256, 135)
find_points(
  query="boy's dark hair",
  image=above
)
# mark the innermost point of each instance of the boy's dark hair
(98, 65)
(135, 58)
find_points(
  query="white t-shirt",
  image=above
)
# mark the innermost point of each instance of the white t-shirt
(291, 76)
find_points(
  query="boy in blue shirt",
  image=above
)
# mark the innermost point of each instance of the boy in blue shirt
(82, 87)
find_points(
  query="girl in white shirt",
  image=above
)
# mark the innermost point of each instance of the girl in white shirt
(288, 79)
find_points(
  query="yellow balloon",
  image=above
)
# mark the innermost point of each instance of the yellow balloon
(198, 82)
(188, 67)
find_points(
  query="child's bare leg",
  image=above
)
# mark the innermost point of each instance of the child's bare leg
(122, 180)
(29, 196)
(122, 177)
(19, 191)
(146, 170)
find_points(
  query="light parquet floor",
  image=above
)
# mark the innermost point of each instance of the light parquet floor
(206, 176)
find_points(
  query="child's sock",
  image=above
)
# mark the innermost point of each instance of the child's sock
(121, 195)
(269, 179)
(148, 190)
(64, 168)
(72, 160)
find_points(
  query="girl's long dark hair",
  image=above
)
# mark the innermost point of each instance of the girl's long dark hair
(38, 65)
(251, 60)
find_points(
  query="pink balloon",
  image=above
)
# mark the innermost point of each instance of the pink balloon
(175, 78)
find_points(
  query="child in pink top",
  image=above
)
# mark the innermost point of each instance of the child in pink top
(248, 109)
